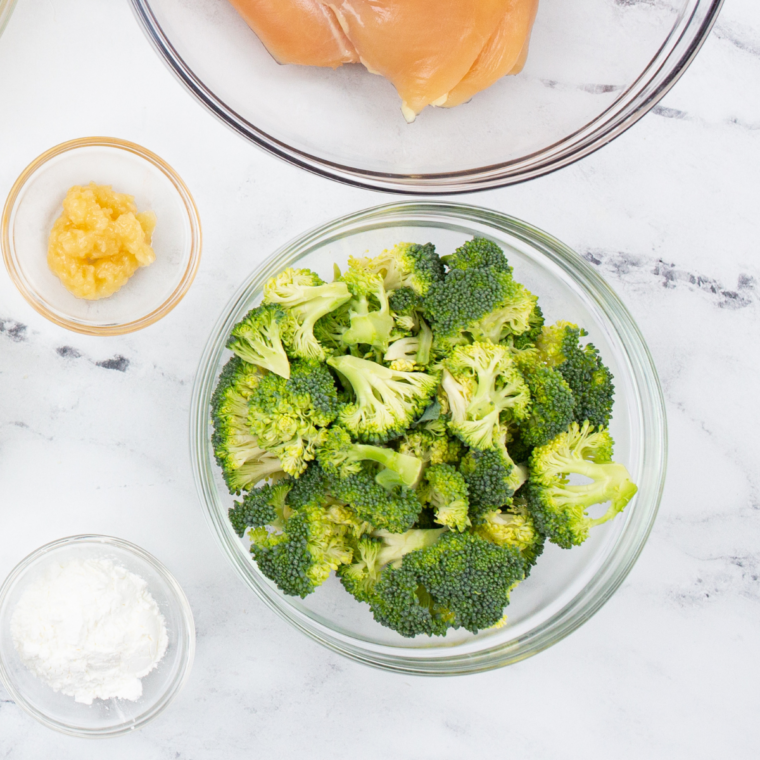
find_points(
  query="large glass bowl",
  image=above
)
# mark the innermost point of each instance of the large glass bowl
(595, 68)
(566, 587)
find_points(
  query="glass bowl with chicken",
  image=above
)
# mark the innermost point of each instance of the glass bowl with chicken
(497, 92)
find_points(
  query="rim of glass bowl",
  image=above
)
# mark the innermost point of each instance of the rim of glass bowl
(188, 638)
(6, 9)
(9, 249)
(686, 38)
(652, 420)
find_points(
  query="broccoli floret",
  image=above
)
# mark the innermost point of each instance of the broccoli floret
(369, 314)
(492, 479)
(513, 526)
(557, 504)
(552, 403)
(299, 554)
(244, 463)
(484, 389)
(407, 265)
(530, 336)
(260, 507)
(446, 491)
(257, 339)
(394, 509)
(404, 302)
(432, 447)
(484, 304)
(306, 298)
(340, 456)
(582, 367)
(374, 553)
(478, 253)
(459, 581)
(288, 416)
(411, 351)
(386, 401)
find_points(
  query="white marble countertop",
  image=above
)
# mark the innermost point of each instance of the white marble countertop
(670, 214)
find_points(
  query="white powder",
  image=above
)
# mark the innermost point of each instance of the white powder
(90, 629)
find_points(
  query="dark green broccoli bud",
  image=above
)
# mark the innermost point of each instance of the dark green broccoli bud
(340, 456)
(582, 367)
(530, 336)
(394, 509)
(478, 253)
(257, 339)
(552, 403)
(559, 506)
(309, 488)
(386, 401)
(374, 553)
(288, 416)
(299, 555)
(260, 507)
(484, 304)
(492, 479)
(306, 298)
(483, 390)
(405, 302)
(244, 463)
(513, 526)
(407, 265)
(446, 491)
(461, 581)
(369, 315)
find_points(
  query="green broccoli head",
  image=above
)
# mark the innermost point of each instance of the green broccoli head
(260, 507)
(582, 368)
(528, 339)
(370, 320)
(394, 509)
(407, 265)
(257, 339)
(461, 581)
(478, 304)
(478, 253)
(288, 417)
(484, 390)
(299, 555)
(373, 553)
(513, 526)
(492, 479)
(559, 506)
(236, 449)
(306, 299)
(386, 401)
(552, 402)
(340, 456)
(446, 492)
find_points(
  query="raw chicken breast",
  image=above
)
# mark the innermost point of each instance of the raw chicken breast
(424, 47)
(435, 52)
(505, 53)
(298, 31)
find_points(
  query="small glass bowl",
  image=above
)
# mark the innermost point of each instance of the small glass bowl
(566, 587)
(103, 718)
(35, 202)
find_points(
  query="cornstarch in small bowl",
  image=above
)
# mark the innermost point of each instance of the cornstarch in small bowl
(90, 629)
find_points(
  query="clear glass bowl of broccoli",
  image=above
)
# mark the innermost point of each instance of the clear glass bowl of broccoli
(317, 378)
